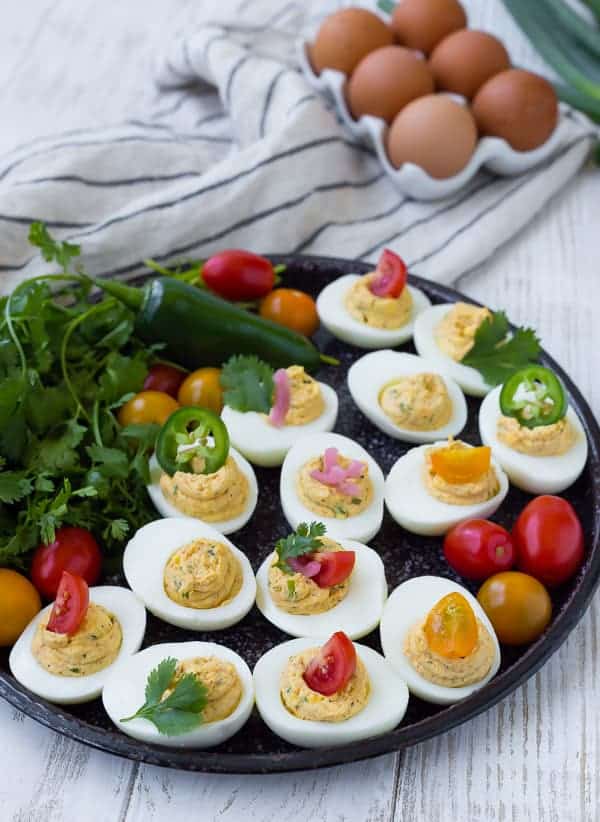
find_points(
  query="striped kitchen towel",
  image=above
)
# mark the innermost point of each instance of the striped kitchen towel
(242, 153)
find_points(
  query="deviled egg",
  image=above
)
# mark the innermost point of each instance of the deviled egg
(69, 664)
(377, 310)
(333, 479)
(539, 440)
(189, 574)
(407, 397)
(300, 406)
(444, 334)
(229, 693)
(319, 694)
(312, 585)
(438, 638)
(433, 487)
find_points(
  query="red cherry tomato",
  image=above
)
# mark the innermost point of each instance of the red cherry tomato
(391, 275)
(239, 275)
(164, 378)
(548, 538)
(336, 566)
(333, 667)
(71, 605)
(477, 548)
(74, 550)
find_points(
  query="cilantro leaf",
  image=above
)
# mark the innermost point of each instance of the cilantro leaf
(52, 250)
(305, 540)
(57, 451)
(122, 375)
(496, 355)
(247, 383)
(159, 679)
(111, 462)
(14, 485)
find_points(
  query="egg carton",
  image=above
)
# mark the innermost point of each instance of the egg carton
(492, 153)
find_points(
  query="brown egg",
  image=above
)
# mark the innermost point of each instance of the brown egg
(434, 132)
(465, 59)
(346, 37)
(386, 80)
(421, 24)
(519, 106)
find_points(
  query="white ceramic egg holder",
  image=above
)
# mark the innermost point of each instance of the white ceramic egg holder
(491, 152)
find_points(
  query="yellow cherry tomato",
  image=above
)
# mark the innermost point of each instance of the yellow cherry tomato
(202, 388)
(517, 605)
(147, 406)
(292, 308)
(19, 603)
(457, 465)
(451, 628)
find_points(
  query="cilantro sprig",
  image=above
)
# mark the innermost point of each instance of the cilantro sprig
(247, 383)
(305, 540)
(52, 250)
(179, 712)
(496, 355)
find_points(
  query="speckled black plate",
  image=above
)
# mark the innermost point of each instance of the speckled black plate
(255, 749)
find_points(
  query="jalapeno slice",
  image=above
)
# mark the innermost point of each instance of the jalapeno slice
(191, 435)
(534, 396)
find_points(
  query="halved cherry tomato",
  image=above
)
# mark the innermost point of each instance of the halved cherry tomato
(147, 406)
(164, 378)
(292, 308)
(458, 465)
(202, 388)
(70, 606)
(517, 605)
(74, 550)
(336, 566)
(333, 667)
(451, 628)
(390, 276)
(19, 603)
(478, 548)
(549, 540)
(239, 275)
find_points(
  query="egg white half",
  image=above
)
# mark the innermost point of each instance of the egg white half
(410, 603)
(265, 444)
(361, 527)
(384, 710)
(338, 321)
(469, 379)
(368, 375)
(357, 614)
(66, 690)
(227, 526)
(415, 509)
(537, 475)
(144, 561)
(124, 693)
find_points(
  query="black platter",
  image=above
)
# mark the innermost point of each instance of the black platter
(255, 749)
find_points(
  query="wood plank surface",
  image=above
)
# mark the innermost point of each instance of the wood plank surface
(536, 756)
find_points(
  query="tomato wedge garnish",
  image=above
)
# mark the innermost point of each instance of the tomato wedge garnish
(70, 606)
(333, 667)
(460, 465)
(336, 567)
(390, 276)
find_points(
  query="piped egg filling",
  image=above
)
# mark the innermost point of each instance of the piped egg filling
(94, 646)
(215, 497)
(459, 475)
(543, 441)
(418, 402)
(221, 680)
(202, 574)
(378, 312)
(455, 333)
(304, 703)
(332, 485)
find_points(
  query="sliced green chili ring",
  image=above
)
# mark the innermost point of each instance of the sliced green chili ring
(534, 396)
(189, 434)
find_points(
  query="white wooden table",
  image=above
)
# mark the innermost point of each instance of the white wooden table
(71, 63)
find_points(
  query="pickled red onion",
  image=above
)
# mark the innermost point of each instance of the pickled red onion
(337, 477)
(281, 404)
(305, 565)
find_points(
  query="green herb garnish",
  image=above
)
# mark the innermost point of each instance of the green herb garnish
(496, 355)
(179, 712)
(305, 540)
(247, 384)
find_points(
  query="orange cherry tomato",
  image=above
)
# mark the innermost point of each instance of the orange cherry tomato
(451, 628)
(292, 308)
(517, 605)
(147, 406)
(458, 465)
(19, 603)
(202, 388)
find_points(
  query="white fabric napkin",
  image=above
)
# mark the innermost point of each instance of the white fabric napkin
(243, 153)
